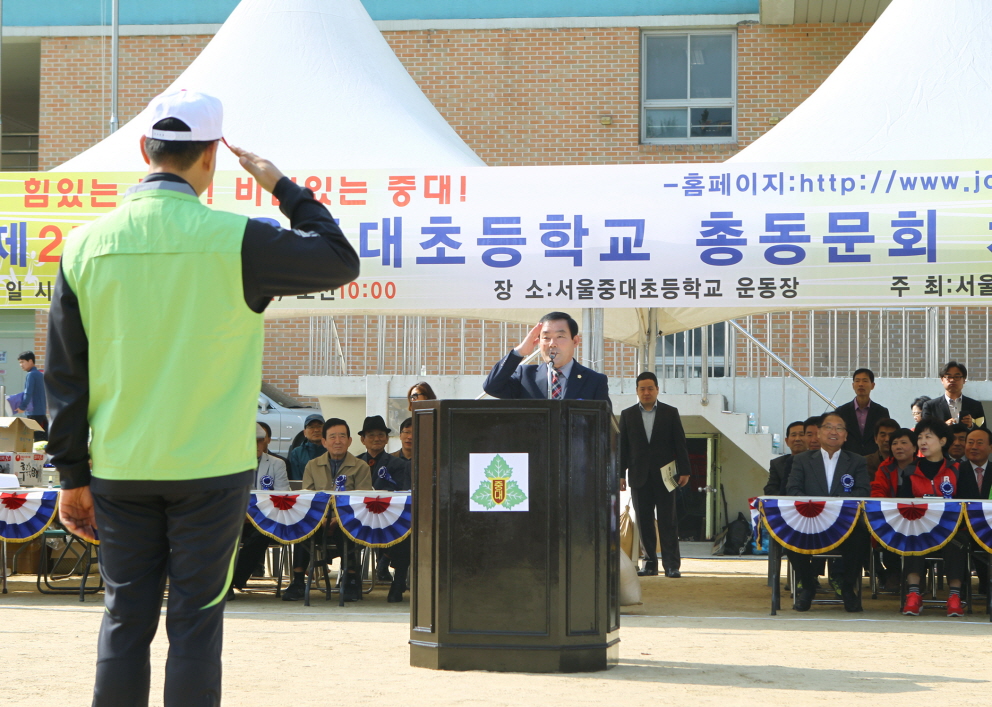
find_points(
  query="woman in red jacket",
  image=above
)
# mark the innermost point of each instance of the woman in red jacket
(889, 476)
(933, 475)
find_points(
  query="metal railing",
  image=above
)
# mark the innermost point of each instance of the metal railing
(356, 345)
(19, 152)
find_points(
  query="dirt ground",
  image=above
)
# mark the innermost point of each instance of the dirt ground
(704, 639)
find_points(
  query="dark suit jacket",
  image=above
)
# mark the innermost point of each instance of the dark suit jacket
(778, 475)
(397, 468)
(508, 379)
(640, 457)
(863, 444)
(968, 484)
(809, 478)
(938, 408)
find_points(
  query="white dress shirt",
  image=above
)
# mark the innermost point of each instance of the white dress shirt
(830, 466)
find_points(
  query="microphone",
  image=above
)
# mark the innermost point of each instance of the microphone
(552, 353)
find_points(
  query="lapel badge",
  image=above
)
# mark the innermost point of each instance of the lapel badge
(579, 375)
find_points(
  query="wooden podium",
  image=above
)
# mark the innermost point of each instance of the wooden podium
(516, 558)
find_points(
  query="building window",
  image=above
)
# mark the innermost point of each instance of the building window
(688, 87)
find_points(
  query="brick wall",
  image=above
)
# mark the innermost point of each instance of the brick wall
(517, 97)
(74, 109)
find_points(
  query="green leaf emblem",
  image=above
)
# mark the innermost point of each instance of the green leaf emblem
(484, 495)
(514, 495)
(498, 468)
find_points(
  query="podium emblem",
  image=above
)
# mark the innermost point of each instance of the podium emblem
(499, 482)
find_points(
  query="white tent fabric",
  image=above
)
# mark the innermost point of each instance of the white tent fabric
(311, 84)
(916, 87)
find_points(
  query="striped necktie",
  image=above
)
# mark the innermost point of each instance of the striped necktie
(557, 392)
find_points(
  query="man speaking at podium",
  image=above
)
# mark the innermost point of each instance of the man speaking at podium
(556, 335)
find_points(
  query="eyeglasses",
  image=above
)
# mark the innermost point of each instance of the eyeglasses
(833, 428)
(953, 378)
(414, 396)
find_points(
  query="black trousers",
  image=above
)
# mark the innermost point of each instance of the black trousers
(43, 421)
(191, 540)
(953, 553)
(253, 547)
(852, 552)
(653, 495)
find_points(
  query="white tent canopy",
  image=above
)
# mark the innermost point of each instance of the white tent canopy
(313, 85)
(916, 87)
(310, 84)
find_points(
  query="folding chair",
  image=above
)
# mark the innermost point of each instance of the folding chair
(83, 556)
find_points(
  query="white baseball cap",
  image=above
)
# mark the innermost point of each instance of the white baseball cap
(202, 113)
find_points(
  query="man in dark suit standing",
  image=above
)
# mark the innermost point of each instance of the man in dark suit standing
(780, 467)
(556, 335)
(953, 406)
(831, 471)
(651, 437)
(862, 414)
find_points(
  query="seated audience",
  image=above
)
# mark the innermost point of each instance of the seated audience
(310, 449)
(336, 470)
(975, 482)
(396, 476)
(270, 475)
(956, 445)
(933, 475)
(268, 441)
(811, 429)
(862, 414)
(888, 478)
(778, 470)
(831, 471)
(883, 429)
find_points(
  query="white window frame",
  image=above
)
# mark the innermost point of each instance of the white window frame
(689, 102)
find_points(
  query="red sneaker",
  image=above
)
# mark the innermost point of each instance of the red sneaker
(954, 605)
(914, 602)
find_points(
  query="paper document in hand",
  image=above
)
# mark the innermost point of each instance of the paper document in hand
(670, 476)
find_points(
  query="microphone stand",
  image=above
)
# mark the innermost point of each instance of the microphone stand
(551, 364)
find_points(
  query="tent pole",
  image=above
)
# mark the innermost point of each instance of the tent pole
(652, 341)
(115, 41)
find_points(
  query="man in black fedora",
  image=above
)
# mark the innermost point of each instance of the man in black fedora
(375, 435)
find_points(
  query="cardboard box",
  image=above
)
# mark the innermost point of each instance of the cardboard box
(17, 433)
(28, 466)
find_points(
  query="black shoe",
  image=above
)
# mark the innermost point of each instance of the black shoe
(294, 592)
(650, 569)
(673, 574)
(804, 599)
(352, 589)
(230, 594)
(395, 593)
(852, 602)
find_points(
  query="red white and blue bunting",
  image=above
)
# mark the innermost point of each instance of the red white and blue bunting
(24, 516)
(288, 518)
(979, 515)
(913, 527)
(810, 527)
(374, 521)
(752, 504)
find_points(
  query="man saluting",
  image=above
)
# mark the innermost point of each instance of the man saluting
(556, 336)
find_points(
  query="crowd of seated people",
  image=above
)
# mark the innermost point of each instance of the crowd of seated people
(944, 454)
(321, 461)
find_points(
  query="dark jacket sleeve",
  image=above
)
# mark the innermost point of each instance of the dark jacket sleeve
(681, 448)
(311, 256)
(67, 383)
(775, 481)
(862, 480)
(796, 484)
(603, 390)
(501, 382)
(624, 446)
